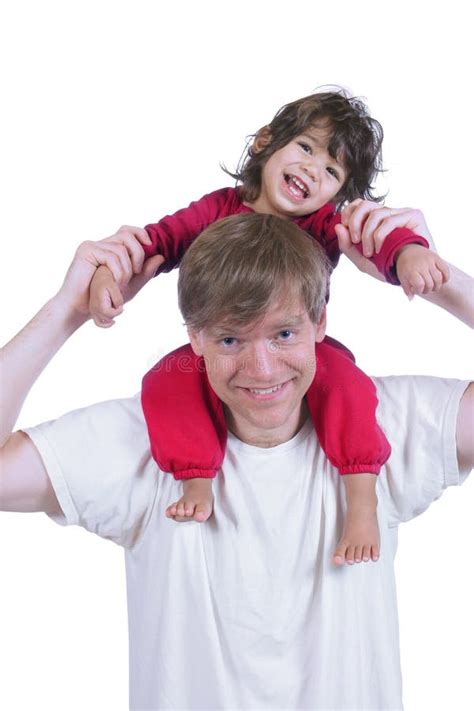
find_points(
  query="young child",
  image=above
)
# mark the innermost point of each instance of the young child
(316, 154)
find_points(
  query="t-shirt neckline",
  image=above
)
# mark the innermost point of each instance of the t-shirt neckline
(305, 431)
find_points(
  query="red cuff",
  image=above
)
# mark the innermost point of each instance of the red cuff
(385, 259)
(360, 469)
(195, 474)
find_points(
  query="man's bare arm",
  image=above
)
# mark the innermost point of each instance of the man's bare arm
(456, 296)
(465, 430)
(24, 358)
(24, 484)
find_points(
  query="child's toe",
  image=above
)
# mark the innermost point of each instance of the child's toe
(202, 512)
(339, 556)
(350, 555)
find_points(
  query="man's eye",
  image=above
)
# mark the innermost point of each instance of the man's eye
(228, 341)
(285, 335)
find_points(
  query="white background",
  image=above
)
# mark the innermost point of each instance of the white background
(120, 112)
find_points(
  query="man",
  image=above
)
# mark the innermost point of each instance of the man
(247, 610)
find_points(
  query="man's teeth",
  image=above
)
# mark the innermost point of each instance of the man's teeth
(265, 391)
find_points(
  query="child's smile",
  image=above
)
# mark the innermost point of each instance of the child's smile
(296, 187)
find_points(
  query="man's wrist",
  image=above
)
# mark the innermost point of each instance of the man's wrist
(66, 314)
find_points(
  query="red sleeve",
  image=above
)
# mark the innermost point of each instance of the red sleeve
(342, 402)
(172, 235)
(184, 416)
(322, 227)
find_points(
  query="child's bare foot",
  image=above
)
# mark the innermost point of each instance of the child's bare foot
(360, 539)
(196, 502)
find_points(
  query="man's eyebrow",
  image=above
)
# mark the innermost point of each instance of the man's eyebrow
(291, 322)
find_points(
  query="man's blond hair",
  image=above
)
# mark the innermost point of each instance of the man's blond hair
(239, 265)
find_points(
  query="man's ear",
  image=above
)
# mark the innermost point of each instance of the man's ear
(262, 138)
(195, 338)
(320, 326)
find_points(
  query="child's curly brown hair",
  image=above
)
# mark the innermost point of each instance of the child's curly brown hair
(355, 139)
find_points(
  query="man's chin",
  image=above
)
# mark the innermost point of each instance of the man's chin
(265, 423)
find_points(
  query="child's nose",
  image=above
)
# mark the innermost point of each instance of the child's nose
(311, 169)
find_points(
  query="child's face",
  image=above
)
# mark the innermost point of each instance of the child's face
(301, 177)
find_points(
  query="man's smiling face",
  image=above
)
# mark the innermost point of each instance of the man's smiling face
(301, 177)
(262, 371)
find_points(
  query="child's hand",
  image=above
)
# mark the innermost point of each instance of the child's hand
(420, 270)
(105, 298)
(121, 272)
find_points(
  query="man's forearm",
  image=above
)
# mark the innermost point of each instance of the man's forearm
(465, 430)
(24, 358)
(456, 296)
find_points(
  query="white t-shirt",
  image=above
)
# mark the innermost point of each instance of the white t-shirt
(247, 610)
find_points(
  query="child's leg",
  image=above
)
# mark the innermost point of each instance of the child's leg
(195, 503)
(187, 429)
(184, 416)
(342, 402)
(360, 538)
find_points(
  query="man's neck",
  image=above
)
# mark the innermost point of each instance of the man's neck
(266, 437)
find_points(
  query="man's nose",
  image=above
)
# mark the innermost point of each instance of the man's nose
(260, 360)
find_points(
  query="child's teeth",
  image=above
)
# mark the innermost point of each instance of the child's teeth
(299, 184)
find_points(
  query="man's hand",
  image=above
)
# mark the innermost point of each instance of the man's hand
(122, 254)
(419, 270)
(370, 223)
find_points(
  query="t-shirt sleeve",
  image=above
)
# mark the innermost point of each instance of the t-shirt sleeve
(418, 415)
(98, 459)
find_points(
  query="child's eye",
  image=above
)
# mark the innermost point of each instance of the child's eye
(304, 146)
(333, 172)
